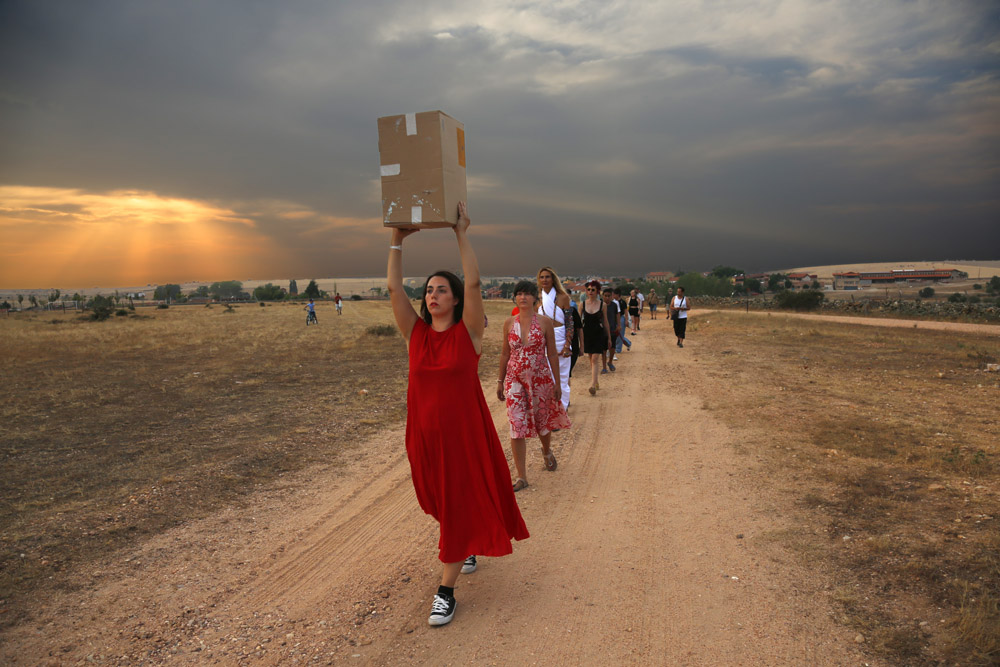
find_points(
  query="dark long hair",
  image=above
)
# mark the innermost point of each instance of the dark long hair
(457, 288)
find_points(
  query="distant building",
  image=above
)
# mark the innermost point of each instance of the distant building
(802, 280)
(847, 280)
(911, 275)
(659, 276)
(852, 280)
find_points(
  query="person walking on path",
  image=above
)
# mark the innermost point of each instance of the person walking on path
(459, 470)
(654, 301)
(611, 306)
(596, 331)
(633, 310)
(577, 345)
(338, 302)
(529, 364)
(642, 308)
(679, 307)
(623, 323)
(553, 303)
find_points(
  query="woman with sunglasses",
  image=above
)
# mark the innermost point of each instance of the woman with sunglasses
(596, 331)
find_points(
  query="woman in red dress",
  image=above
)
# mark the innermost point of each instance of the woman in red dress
(529, 368)
(459, 470)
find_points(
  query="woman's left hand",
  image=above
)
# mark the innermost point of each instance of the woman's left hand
(557, 392)
(463, 217)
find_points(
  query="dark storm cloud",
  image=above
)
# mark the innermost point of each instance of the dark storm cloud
(602, 137)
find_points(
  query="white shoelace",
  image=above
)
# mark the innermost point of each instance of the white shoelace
(440, 605)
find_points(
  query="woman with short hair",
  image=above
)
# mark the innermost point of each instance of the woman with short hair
(529, 365)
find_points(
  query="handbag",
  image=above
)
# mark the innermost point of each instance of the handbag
(674, 313)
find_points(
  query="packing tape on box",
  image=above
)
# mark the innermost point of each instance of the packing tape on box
(411, 124)
(416, 214)
(390, 170)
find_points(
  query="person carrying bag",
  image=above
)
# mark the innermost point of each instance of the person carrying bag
(679, 308)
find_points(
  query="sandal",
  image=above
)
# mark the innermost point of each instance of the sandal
(520, 483)
(550, 461)
(593, 390)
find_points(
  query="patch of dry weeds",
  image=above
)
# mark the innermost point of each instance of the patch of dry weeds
(889, 439)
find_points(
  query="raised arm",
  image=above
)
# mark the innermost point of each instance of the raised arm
(473, 312)
(402, 309)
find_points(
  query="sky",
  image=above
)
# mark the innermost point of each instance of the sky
(154, 142)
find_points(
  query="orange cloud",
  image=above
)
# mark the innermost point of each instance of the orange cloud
(54, 236)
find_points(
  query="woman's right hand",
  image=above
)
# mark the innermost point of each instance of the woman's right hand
(398, 234)
(500, 395)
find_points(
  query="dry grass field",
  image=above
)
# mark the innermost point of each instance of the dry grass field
(887, 440)
(116, 430)
(884, 442)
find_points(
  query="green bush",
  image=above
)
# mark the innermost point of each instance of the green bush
(121, 312)
(804, 300)
(381, 330)
(356, 297)
(957, 297)
(163, 306)
(926, 292)
(268, 292)
(100, 307)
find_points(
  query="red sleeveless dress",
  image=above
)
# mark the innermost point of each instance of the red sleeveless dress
(459, 470)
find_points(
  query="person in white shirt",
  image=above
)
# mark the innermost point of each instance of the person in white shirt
(554, 303)
(679, 307)
(642, 305)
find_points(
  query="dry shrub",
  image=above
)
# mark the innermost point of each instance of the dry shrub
(890, 437)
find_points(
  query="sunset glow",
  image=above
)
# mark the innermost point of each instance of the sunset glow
(70, 237)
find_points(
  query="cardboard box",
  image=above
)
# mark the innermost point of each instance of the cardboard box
(422, 157)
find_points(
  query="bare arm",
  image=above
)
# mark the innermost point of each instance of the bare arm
(473, 312)
(504, 357)
(607, 327)
(402, 309)
(550, 347)
(563, 302)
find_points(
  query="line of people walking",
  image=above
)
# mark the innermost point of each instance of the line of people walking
(458, 467)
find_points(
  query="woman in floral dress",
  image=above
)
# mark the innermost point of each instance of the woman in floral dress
(528, 364)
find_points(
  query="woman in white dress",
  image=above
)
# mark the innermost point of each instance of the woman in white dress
(553, 303)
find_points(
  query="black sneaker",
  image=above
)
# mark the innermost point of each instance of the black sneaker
(442, 609)
(469, 566)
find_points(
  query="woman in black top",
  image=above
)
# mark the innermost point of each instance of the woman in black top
(596, 332)
(633, 310)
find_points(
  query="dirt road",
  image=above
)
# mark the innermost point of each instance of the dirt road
(650, 545)
(964, 327)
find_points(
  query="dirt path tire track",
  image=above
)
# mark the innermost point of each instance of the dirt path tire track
(634, 558)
